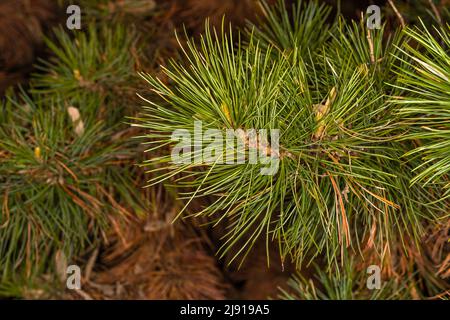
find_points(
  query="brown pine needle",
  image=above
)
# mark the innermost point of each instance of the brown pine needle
(342, 209)
(435, 11)
(5, 210)
(399, 16)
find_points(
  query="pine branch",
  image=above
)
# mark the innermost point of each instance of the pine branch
(343, 176)
(424, 104)
(99, 63)
(61, 183)
(351, 284)
(296, 28)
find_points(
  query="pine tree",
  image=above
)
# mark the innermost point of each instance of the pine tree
(343, 185)
(67, 156)
(60, 182)
(358, 175)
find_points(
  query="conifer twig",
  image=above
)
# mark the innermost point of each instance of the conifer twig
(369, 39)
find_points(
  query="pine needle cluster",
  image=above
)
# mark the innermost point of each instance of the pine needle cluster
(425, 103)
(345, 182)
(67, 172)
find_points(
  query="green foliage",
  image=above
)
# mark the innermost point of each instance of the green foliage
(425, 103)
(66, 157)
(61, 180)
(372, 52)
(340, 174)
(351, 284)
(97, 63)
(304, 28)
(361, 166)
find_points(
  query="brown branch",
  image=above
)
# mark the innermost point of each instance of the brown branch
(436, 11)
(399, 16)
(372, 51)
(260, 145)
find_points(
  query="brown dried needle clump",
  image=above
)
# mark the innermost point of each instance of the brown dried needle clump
(193, 12)
(22, 25)
(154, 259)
